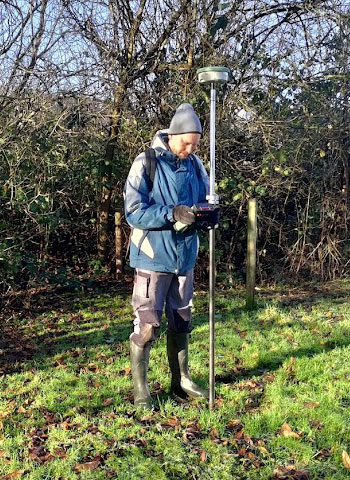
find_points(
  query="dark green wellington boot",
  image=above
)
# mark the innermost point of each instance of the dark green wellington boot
(139, 365)
(181, 382)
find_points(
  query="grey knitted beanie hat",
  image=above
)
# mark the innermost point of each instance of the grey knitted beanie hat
(185, 120)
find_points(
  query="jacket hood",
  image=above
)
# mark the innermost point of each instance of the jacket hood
(160, 140)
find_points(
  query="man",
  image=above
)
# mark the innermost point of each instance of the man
(163, 249)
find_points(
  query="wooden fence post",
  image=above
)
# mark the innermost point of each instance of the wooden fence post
(251, 252)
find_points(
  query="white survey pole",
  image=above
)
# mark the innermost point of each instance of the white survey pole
(212, 144)
(212, 76)
(212, 269)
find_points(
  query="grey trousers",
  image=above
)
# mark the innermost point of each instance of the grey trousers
(153, 290)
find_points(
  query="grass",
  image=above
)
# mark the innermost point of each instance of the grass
(282, 392)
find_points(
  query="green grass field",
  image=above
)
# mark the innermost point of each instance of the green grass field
(282, 391)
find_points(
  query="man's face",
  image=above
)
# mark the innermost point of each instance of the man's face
(184, 144)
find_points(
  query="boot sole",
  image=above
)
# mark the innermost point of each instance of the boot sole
(179, 392)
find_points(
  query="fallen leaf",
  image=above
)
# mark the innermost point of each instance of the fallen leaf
(311, 404)
(242, 452)
(289, 472)
(125, 371)
(346, 459)
(219, 402)
(21, 410)
(40, 454)
(16, 474)
(192, 432)
(239, 435)
(251, 384)
(264, 450)
(92, 367)
(287, 432)
(247, 438)
(148, 419)
(172, 422)
(323, 454)
(108, 402)
(66, 425)
(93, 429)
(235, 425)
(316, 424)
(87, 466)
(203, 456)
(60, 364)
(141, 442)
(111, 473)
(60, 452)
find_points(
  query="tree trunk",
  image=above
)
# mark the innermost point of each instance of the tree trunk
(106, 177)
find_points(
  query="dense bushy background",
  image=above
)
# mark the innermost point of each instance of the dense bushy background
(85, 85)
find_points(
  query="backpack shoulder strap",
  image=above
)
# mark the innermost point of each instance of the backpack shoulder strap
(150, 166)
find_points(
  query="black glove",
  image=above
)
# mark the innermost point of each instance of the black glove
(184, 214)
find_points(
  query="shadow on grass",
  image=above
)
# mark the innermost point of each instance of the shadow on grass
(273, 361)
(56, 325)
(291, 298)
(272, 364)
(21, 343)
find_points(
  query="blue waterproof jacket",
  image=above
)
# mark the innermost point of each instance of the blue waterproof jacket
(155, 245)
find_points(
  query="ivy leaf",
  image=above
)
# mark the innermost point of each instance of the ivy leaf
(220, 24)
(223, 6)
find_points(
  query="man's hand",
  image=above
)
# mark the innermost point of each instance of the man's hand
(184, 214)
